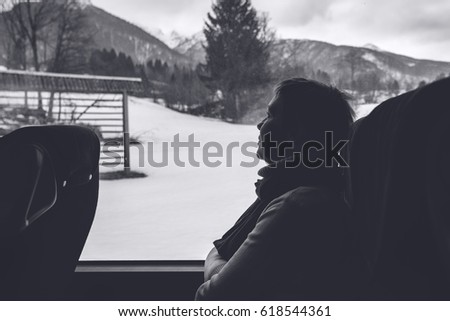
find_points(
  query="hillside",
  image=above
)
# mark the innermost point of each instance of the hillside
(113, 32)
(333, 59)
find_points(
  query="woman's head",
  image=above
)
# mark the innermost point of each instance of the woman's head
(302, 111)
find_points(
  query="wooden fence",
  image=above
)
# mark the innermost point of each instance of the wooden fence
(100, 103)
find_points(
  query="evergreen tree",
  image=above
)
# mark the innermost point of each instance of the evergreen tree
(158, 66)
(109, 63)
(150, 65)
(237, 54)
(145, 81)
(393, 86)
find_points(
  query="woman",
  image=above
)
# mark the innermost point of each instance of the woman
(288, 244)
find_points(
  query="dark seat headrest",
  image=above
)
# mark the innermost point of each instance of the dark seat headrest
(36, 164)
(74, 150)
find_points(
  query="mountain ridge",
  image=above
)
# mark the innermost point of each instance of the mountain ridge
(113, 32)
(332, 58)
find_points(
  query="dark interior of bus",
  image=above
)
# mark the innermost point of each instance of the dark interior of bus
(399, 173)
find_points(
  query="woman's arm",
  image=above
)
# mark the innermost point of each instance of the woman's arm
(213, 264)
(242, 276)
(294, 246)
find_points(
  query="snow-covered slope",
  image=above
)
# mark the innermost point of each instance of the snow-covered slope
(176, 212)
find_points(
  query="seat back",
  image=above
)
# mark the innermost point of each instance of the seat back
(48, 197)
(399, 191)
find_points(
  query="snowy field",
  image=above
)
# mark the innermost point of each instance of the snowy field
(175, 213)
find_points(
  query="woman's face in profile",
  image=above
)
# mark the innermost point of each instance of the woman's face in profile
(272, 132)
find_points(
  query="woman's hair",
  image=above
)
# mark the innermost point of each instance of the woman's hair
(311, 108)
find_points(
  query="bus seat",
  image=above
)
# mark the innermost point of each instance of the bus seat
(399, 194)
(48, 198)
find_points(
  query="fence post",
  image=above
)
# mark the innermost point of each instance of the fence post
(60, 106)
(126, 133)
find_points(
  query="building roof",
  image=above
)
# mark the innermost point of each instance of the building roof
(17, 80)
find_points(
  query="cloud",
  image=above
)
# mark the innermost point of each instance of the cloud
(403, 26)
(397, 18)
(294, 12)
(165, 7)
(184, 16)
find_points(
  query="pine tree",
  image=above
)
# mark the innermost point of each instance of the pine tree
(237, 54)
(109, 63)
(393, 87)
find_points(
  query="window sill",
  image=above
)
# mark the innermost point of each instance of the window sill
(140, 266)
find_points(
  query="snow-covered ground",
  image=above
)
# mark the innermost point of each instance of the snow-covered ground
(175, 213)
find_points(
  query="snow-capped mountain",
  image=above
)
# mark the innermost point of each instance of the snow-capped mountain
(189, 46)
(192, 47)
(172, 40)
(337, 60)
(113, 32)
(371, 46)
(333, 59)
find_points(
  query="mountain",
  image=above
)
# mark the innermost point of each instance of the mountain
(189, 46)
(371, 46)
(314, 55)
(192, 47)
(113, 32)
(171, 40)
(337, 61)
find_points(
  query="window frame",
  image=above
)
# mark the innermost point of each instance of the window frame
(138, 266)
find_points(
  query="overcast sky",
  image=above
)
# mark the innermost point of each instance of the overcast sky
(417, 28)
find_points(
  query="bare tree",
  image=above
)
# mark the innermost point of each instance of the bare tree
(52, 34)
(15, 43)
(28, 20)
(71, 38)
(69, 41)
(55, 31)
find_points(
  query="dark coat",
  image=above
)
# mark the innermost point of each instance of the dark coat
(293, 253)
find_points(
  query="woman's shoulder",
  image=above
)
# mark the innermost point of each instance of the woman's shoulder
(306, 200)
(311, 195)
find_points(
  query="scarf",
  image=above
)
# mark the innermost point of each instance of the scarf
(277, 179)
